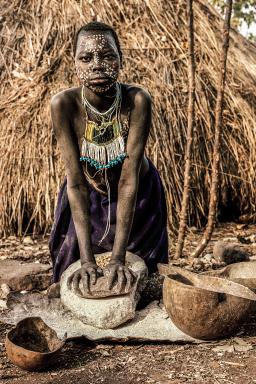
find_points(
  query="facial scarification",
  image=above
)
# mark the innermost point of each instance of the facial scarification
(97, 55)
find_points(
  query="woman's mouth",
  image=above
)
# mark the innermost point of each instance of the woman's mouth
(99, 79)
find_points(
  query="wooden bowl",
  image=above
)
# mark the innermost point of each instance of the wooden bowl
(32, 345)
(205, 307)
(242, 273)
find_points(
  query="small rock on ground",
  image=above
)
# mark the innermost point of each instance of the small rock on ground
(229, 253)
(26, 277)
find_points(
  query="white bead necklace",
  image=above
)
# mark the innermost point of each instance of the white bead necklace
(107, 114)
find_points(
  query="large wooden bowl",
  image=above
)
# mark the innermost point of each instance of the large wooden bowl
(32, 345)
(205, 307)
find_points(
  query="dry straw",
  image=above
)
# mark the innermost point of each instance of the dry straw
(36, 63)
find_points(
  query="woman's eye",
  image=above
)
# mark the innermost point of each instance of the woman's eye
(109, 56)
(85, 59)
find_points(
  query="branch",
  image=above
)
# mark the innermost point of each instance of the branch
(218, 133)
(191, 123)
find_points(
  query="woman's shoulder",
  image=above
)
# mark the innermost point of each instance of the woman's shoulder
(63, 107)
(138, 95)
(65, 98)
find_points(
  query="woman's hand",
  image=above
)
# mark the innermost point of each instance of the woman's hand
(88, 273)
(117, 271)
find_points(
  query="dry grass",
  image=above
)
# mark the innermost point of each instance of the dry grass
(36, 63)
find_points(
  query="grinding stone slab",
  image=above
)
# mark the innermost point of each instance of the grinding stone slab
(149, 324)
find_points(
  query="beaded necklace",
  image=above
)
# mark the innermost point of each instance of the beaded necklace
(103, 144)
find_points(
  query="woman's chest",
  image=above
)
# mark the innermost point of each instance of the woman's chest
(100, 131)
(102, 147)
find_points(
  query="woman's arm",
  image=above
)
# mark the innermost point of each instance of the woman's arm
(140, 121)
(76, 186)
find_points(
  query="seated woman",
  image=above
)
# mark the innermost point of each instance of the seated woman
(112, 198)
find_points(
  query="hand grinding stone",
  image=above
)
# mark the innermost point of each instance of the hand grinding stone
(107, 312)
(99, 290)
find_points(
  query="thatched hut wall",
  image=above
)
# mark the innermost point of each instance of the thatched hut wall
(36, 62)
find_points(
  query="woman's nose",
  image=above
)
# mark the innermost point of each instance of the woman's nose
(97, 63)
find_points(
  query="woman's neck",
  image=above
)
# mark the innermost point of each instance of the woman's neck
(100, 101)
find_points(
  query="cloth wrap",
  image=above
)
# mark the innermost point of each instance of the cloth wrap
(148, 238)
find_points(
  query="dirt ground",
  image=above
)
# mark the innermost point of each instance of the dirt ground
(83, 362)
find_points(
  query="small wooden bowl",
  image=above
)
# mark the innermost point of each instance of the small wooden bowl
(32, 345)
(205, 307)
(242, 273)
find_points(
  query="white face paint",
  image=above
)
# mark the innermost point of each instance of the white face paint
(97, 61)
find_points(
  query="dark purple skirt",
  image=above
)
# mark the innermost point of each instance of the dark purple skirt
(148, 238)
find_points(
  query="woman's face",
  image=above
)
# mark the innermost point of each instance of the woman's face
(97, 60)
